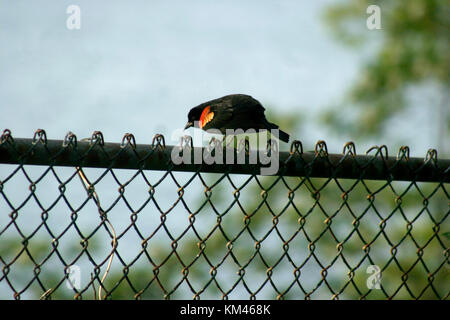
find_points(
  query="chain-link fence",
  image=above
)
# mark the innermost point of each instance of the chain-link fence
(90, 220)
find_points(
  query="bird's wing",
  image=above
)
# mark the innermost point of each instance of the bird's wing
(233, 108)
(244, 103)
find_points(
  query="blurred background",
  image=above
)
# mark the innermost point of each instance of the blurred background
(139, 66)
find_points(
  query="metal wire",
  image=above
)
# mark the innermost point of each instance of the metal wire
(324, 226)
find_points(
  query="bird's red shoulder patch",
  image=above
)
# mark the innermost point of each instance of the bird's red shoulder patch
(206, 116)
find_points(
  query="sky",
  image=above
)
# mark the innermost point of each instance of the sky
(140, 66)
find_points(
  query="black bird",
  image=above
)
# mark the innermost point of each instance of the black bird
(235, 111)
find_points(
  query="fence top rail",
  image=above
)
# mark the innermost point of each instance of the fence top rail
(376, 164)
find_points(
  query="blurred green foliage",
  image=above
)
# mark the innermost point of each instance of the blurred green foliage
(411, 49)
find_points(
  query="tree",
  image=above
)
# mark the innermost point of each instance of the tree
(411, 51)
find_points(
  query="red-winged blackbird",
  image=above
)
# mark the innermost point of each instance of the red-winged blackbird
(235, 111)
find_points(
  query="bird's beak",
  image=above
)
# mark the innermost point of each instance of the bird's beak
(188, 125)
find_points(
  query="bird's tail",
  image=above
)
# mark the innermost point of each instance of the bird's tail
(283, 136)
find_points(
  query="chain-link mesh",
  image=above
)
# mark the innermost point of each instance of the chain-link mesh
(73, 224)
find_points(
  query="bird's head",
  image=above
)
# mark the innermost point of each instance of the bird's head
(196, 116)
(193, 117)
